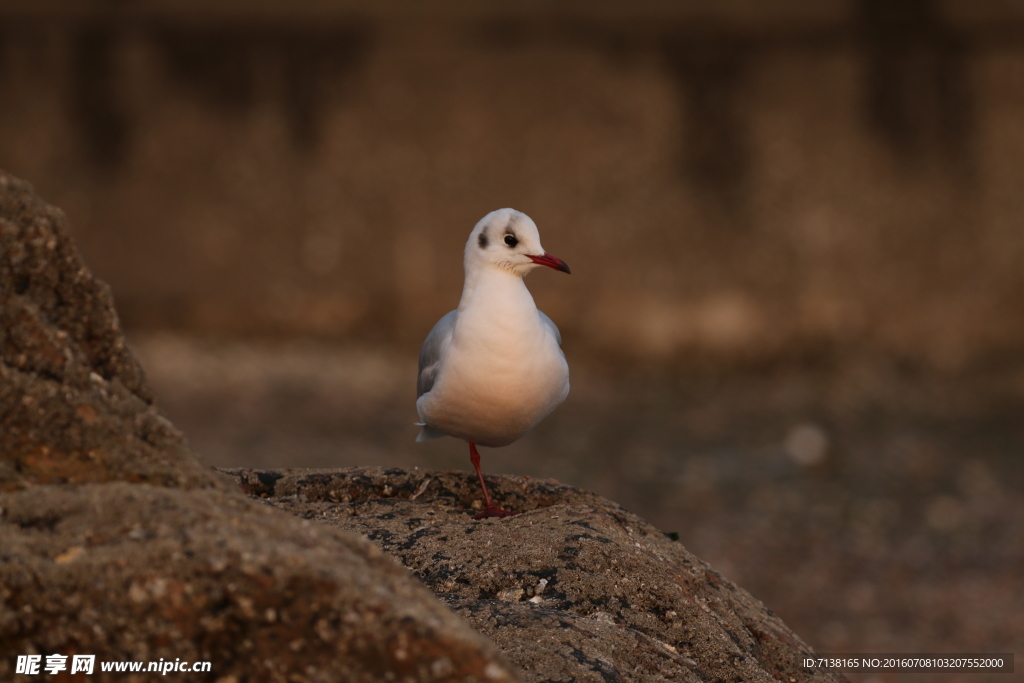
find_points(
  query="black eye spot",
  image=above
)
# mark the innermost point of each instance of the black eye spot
(482, 240)
(511, 240)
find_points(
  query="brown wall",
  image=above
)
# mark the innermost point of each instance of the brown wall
(729, 180)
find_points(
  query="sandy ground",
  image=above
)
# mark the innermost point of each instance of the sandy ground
(873, 509)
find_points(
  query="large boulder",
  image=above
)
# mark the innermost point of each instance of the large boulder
(575, 588)
(116, 541)
(74, 403)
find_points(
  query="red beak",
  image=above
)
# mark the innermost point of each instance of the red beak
(551, 262)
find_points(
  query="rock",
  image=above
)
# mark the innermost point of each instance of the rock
(136, 572)
(75, 404)
(573, 589)
(116, 541)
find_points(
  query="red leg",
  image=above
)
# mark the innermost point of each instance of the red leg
(489, 509)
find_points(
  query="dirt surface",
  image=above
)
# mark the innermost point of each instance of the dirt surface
(575, 588)
(116, 542)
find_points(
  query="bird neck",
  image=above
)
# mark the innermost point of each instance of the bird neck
(490, 278)
(499, 291)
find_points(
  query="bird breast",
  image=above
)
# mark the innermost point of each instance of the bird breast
(503, 373)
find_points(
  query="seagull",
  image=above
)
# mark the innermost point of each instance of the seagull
(493, 368)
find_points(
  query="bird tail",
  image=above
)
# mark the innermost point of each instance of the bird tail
(428, 433)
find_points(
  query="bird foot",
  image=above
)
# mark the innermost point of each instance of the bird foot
(493, 512)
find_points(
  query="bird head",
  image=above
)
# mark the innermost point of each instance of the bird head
(508, 239)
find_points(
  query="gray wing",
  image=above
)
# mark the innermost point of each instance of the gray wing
(545, 320)
(432, 351)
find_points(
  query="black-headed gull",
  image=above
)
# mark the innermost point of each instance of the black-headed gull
(493, 368)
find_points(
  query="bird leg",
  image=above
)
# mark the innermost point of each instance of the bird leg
(489, 509)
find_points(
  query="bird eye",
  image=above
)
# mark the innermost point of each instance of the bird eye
(511, 240)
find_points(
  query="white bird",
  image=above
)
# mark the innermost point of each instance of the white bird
(493, 368)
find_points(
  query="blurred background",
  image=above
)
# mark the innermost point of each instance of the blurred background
(796, 316)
